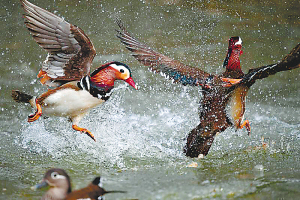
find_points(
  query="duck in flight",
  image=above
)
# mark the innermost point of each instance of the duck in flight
(66, 70)
(223, 101)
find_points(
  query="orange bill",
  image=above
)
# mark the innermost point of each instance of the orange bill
(131, 82)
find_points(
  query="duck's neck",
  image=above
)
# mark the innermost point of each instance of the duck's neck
(105, 76)
(232, 64)
(57, 193)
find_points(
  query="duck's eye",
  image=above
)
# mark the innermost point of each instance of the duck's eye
(54, 175)
(122, 70)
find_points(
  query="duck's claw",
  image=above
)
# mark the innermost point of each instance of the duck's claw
(83, 130)
(230, 81)
(246, 124)
(37, 114)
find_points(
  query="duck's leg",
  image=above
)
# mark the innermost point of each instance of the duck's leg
(75, 121)
(83, 130)
(37, 114)
(246, 124)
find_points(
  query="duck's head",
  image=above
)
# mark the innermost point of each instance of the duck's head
(109, 72)
(232, 60)
(235, 42)
(58, 181)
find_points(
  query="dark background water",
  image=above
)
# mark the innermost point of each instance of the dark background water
(140, 134)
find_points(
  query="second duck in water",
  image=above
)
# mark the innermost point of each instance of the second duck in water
(60, 187)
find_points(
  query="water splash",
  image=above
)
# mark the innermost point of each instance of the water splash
(124, 138)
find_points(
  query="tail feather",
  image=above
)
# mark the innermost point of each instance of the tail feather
(198, 143)
(98, 181)
(19, 96)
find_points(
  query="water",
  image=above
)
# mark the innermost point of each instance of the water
(140, 134)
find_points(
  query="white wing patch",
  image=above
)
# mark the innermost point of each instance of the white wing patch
(261, 70)
(122, 69)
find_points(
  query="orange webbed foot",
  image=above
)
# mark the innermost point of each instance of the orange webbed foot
(83, 130)
(246, 124)
(43, 77)
(230, 81)
(37, 114)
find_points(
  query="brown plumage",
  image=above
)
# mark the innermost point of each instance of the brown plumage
(223, 102)
(70, 51)
(60, 187)
(93, 191)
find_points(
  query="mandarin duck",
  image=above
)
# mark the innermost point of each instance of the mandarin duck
(60, 187)
(73, 91)
(223, 101)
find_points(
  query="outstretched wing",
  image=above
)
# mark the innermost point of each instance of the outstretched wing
(70, 51)
(289, 62)
(157, 62)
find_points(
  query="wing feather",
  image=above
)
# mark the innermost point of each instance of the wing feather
(157, 62)
(289, 62)
(70, 51)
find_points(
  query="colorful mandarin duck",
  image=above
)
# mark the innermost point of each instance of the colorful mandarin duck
(67, 69)
(60, 187)
(223, 102)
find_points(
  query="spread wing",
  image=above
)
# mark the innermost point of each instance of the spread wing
(289, 62)
(157, 62)
(70, 51)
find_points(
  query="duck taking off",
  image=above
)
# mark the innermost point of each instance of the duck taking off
(223, 102)
(66, 70)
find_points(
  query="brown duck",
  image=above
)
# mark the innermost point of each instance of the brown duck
(223, 102)
(60, 187)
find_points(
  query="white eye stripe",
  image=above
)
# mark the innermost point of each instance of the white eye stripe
(120, 68)
(239, 42)
(55, 175)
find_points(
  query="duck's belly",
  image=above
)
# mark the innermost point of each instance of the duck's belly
(69, 102)
(236, 105)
